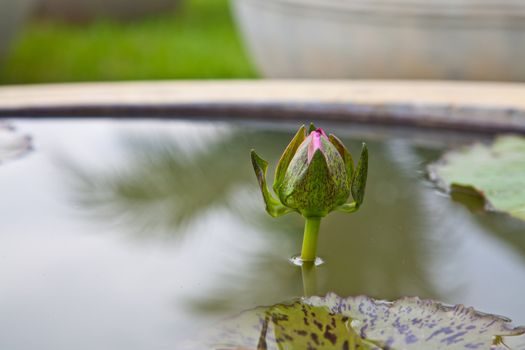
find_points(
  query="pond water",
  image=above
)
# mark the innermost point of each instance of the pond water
(139, 234)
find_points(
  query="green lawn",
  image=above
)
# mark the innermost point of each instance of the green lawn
(199, 41)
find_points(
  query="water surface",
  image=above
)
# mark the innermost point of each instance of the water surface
(134, 235)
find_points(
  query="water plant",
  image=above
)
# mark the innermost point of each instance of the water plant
(494, 172)
(314, 176)
(362, 323)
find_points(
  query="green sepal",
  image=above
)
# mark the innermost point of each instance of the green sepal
(345, 154)
(273, 206)
(310, 189)
(286, 158)
(359, 177)
(348, 208)
(311, 128)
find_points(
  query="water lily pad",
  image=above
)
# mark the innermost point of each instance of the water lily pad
(413, 323)
(333, 322)
(295, 326)
(12, 144)
(496, 172)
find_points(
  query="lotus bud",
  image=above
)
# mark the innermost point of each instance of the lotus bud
(314, 176)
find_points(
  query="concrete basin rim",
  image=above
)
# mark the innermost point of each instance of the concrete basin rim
(485, 107)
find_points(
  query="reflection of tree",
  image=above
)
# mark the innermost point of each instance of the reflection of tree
(163, 187)
(376, 252)
(12, 144)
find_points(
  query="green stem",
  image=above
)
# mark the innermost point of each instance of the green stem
(309, 274)
(311, 233)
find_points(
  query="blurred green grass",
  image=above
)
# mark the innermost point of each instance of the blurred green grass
(197, 41)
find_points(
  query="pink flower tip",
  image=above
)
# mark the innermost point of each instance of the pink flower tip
(320, 130)
(315, 143)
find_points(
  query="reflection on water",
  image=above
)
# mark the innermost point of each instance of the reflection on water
(162, 186)
(70, 231)
(505, 227)
(12, 145)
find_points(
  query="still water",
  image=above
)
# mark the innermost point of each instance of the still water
(136, 235)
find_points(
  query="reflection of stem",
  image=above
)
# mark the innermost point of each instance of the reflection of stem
(311, 232)
(261, 345)
(309, 274)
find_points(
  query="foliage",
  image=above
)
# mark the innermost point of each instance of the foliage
(197, 41)
(496, 172)
(351, 323)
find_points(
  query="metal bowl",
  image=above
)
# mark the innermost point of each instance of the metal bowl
(385, 39)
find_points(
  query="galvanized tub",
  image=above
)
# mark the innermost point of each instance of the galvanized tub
(385, 39)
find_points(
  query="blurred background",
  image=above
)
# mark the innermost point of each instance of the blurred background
(101, 40)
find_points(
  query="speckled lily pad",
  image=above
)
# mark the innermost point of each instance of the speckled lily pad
(12, 144)
(496, 172)
(413, 323)
(352, 323)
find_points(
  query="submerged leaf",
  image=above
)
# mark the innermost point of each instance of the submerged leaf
(12, 145)
(352, 323)
(496, 172)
